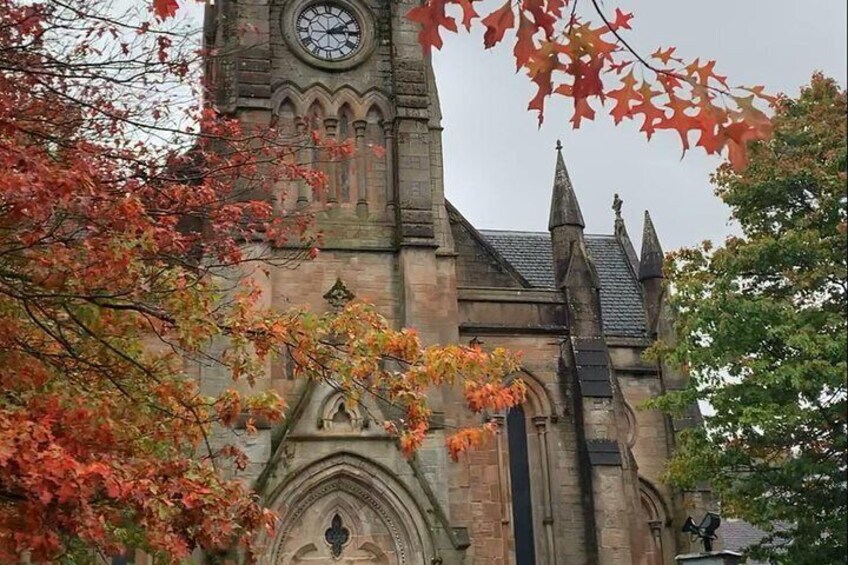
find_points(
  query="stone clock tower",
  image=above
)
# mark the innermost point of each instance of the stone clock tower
(572, 476)
(351, 70)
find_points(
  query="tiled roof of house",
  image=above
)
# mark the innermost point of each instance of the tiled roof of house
(738, 535)
(621, 298)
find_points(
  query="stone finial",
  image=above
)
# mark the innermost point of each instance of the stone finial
(616, 205)
(651, 261)
(565, 210)
(338, 295)
(620, 231)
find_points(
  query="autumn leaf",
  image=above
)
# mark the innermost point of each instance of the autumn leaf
(524, 46)
(164, 9)
(709, 118)
(705, 72)
(543, 62)
(541, 18)
(679, 120)
(431, 16)
(624, 97)
(651, 114)
(589, 52)
(664, 55)
(469, 14)
(622, 20)
(497, 23)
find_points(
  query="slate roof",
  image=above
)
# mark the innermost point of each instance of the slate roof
(738, 535)
(621, 297)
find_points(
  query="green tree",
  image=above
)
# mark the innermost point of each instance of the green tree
(761, 331)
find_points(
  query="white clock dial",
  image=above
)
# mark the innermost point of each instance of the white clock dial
(328, 31)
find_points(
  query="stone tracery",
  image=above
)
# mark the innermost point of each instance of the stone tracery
(360, 183)
(381, 527)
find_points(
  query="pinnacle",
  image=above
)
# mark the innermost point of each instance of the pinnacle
(565, 210)
(651, 261)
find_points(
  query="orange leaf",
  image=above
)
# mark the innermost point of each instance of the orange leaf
(648, 110)
(543, 62)
(497, 23)
(705, 72)
(664, 56)
(623, 97)
(431, 16)
(524, 46)
(622, 20)
(679, 120)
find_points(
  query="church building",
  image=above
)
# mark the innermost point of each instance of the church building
(573, 476)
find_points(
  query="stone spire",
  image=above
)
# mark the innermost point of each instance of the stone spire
(651, 261)
(651, 275)
(565, 211)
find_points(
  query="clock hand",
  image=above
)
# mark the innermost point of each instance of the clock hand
(342, 30)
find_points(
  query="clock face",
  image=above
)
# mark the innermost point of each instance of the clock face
(328, 31)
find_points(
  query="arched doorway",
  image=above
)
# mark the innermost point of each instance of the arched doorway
(347, 510)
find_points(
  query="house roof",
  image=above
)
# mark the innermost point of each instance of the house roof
(530, 253)
(738, 535)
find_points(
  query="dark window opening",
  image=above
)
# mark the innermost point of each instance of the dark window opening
(519, 472)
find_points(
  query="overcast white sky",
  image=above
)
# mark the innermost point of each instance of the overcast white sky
(499, 166)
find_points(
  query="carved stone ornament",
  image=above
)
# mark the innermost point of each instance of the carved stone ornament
(336, 536)
(616, 205)
(339, 295)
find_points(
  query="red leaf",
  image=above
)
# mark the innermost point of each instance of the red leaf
(468, 13)
(647, 108)
(541, 18)
(431, 16)
(543, 62)
(497, 23)
(587, 82)
(679, 120)
(524, 45)
(705, 72)
(664, 56)
(623, 97)
(622, 20)
(165, 9)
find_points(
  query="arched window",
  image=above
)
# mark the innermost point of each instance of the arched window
(519, 474)
(655, 531)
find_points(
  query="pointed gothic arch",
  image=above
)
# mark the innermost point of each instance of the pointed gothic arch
(340, 414)
(527, 470)
(655, 523)
(384, 522)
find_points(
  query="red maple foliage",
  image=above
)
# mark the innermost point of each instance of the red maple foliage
(124, 213)
(568, 54)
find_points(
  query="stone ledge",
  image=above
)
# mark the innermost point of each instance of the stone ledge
(500, 329)
(522, 295)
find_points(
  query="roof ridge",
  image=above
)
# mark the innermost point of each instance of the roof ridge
(545, 233)
(527, 232)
